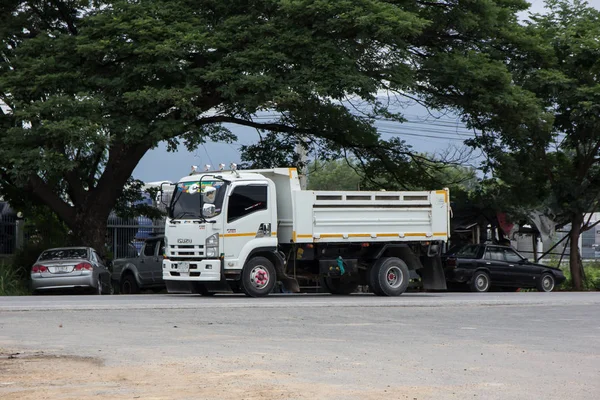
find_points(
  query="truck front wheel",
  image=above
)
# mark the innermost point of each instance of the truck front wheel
(389, 277)
(258, 277)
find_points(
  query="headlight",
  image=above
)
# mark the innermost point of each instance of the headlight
(212, 245)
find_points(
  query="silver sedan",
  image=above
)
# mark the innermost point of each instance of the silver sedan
(70, 268)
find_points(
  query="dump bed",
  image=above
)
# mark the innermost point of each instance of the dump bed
(306, 216)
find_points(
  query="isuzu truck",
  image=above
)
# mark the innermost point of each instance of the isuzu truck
(244, 231)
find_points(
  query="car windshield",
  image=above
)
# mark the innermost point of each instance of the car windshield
(469, 251)
(59, 254)
(186, 198)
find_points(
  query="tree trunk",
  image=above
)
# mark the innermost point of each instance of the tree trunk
(574, 257)
(89, 229)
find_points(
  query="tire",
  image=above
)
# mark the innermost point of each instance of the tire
(480, 282)
(339, 286)
(258, 277)
(200, 289)
(129, 285)
(547, 283)
(389, 277)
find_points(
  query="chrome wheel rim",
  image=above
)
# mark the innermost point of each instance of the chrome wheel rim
(481, 283)
(259, 277)
(548, 284)
(394, 277)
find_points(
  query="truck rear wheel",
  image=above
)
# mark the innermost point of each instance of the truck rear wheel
(258, 277)
(389, 277)
(338, 285)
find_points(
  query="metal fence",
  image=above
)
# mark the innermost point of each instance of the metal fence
(123, 234)
(8, 228)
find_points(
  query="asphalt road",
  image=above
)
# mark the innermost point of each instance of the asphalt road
(416, 346)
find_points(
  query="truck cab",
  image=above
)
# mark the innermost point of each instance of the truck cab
(215, 222)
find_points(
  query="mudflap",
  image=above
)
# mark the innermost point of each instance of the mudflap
(432, 274)
(178, 287)
(290, 284)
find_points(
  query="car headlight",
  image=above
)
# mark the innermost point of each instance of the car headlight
(212, 245)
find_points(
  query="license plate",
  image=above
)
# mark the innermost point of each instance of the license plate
(183, 267)
(63, 269)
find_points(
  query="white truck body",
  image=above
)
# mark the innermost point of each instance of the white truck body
(259, 212)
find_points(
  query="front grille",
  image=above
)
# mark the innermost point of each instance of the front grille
(186, 252)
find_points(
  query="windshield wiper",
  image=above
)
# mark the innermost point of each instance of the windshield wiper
(183, 214)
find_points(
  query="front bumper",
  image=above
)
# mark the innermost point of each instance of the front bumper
(194, 271)
(62, 282)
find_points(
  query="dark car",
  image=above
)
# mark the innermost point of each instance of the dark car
(483, 266)
(143, 271)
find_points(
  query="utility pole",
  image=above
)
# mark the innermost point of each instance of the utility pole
(302, 156)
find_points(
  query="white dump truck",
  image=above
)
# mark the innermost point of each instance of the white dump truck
(243, 231)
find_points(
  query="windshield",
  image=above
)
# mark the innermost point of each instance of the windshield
(189, 197)
(60, 254)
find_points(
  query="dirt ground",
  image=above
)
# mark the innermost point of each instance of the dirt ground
(36, 376)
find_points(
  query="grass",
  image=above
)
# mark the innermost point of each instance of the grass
(591, 273)
(11, 284)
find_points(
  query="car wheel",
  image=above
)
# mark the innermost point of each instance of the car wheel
(199, 288)
(258, 277)
(480, 282)
(129, 285)
(389, 277)
(546, 283)
(338, 285)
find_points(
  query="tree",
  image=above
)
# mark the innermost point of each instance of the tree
(88, 87)
(541, 128)
(340, 174)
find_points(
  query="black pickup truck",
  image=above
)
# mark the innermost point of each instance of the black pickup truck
(483, 266)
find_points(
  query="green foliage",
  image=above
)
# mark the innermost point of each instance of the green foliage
(352, 174)
(543, 142)
(90, 86)
(334, 175)
(11, 283)
(591, 280)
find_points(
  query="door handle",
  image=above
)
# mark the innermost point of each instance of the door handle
(511, 265)
(487, 263)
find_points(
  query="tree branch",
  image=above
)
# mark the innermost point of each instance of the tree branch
(47, 195)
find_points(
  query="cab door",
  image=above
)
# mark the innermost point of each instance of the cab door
(250, 222)
(148, 262)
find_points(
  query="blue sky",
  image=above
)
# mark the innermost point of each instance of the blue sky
(423, 133)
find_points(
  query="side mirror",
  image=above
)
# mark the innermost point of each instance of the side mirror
(525, 261)
(208, 210)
